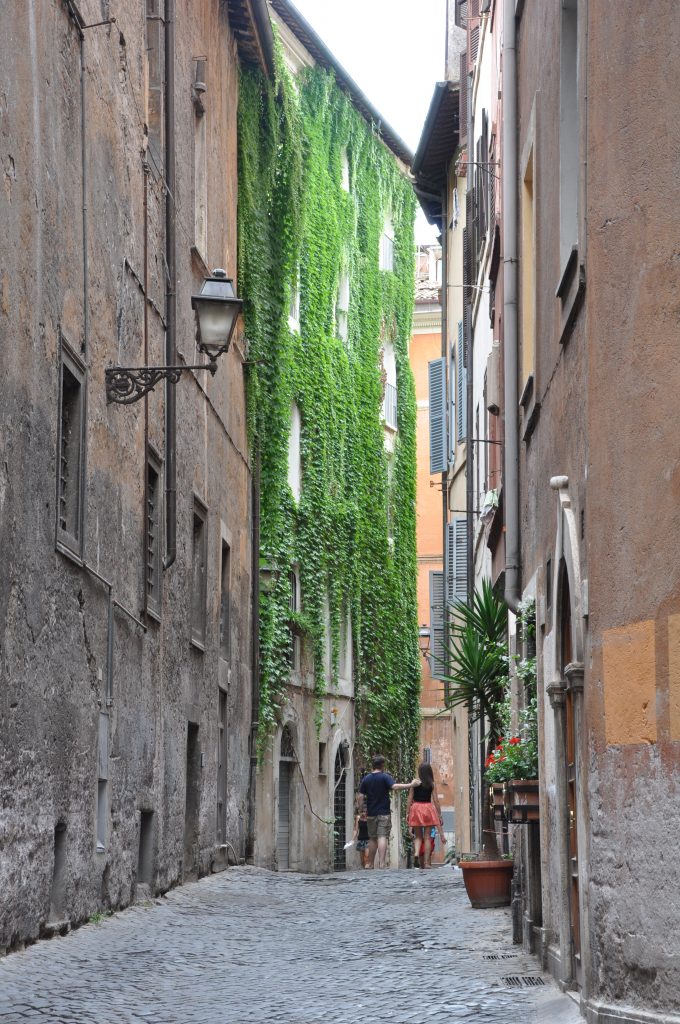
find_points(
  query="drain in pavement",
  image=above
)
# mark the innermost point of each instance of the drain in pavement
(523, 981)
(500, 956)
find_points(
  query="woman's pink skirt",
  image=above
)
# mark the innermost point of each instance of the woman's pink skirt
(423, 816)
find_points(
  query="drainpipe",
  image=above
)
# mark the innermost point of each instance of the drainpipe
(171, 292)
(470, 496)
(255, 641)
(445, 474)
(510, 343)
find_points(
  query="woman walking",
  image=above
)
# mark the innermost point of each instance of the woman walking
(424, 812)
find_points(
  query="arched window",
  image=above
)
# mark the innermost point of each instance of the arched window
(294, 459)
(287, 745)
(389, 409)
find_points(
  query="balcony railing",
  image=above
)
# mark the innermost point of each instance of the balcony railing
(389, 409)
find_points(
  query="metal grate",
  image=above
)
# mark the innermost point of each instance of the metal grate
(523, 981)
(499, 956)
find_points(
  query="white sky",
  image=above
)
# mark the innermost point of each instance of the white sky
(394, 51)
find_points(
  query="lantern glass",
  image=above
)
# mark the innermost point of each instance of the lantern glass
(217, 310)
(424, 641)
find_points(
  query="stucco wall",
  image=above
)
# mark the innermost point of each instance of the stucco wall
(53, 614)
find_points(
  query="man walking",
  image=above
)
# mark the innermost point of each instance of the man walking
(376, 788)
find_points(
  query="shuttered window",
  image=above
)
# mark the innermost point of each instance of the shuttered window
(456, 561)
(461, 381)
(462, 96)
(436, 371)
(437, 651)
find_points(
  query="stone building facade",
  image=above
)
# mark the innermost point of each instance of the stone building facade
(125, 689)
(598, 298)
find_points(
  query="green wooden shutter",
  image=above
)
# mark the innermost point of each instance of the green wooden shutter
(437, 651)
(461, 380)
(459, 538)
(436, 372)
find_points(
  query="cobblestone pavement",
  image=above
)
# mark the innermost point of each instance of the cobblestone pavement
(252, 947)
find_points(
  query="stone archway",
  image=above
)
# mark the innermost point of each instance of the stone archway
(287, 803)
(565, 692)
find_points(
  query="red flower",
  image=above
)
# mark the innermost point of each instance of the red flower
(515, 740)
(489, 761)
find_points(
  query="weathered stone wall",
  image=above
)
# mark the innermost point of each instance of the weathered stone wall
(633, 516)
(53, 613)
(607, 421)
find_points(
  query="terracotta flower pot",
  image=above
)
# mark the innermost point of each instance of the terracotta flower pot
(523, 801)
(487, 882)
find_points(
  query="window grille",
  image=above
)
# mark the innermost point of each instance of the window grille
(71, 443)
(199, 573)
(153, 536)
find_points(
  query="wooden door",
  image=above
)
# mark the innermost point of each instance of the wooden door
(572, 790)
(283, 831)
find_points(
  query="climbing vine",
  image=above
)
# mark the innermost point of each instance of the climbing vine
(352, 533)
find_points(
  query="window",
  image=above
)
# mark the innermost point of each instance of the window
(225, 602)
(155, 70)
(199, 572)
(342, 306)
(102, 782)
(452, 407)
(346, 660)
(569, 130)
(322, 759)
(344, 170)
(461, 385)
(427, 755)
(201, 174)
(294, 309)
(528, 271)
(438, 654)
(389, 408)
(294, 457)
(295, 650)
(387, 246)
(456, 208)
(71, 443)
(153, 536)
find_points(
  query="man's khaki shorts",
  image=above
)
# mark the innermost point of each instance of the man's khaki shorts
(380, 825)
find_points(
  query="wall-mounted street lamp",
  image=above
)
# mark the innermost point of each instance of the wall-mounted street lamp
(217, 310)
(269, 577)
(424, 641)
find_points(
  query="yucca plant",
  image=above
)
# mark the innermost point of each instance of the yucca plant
(476, 674)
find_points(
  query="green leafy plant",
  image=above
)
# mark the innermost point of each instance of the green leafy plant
(478, 673)
(352, 533)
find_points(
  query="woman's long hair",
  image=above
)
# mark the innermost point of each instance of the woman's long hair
(426, 775)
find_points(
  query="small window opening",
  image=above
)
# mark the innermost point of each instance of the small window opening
(153, 538)
(225, 603)
(323, 762)
(145, 858)
(199, 573)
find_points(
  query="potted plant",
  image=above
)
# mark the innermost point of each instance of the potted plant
(476, 676)
(512, 766)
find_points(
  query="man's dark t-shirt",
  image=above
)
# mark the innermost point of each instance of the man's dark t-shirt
(376, 788)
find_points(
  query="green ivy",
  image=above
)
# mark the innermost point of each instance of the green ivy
(295, 217)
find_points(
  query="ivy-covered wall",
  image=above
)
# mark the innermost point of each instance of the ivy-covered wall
(295, 218)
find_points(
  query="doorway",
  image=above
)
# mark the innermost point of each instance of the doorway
(287, 761)
(566, 659)
(192, 803)
(340, 808)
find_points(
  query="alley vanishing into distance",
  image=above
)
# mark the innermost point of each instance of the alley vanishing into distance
(252, 947)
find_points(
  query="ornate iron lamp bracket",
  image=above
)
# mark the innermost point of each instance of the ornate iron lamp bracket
(127, 384)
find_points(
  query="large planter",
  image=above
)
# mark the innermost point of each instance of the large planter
(487, 882)
(497, 800)
(523, 806)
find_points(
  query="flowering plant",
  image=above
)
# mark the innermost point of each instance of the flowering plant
(514, 758)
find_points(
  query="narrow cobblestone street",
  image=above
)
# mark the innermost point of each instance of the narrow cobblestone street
(252, 947)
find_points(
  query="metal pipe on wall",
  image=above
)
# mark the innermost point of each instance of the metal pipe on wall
(171, 292)
(444, 351)
(510, 340)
